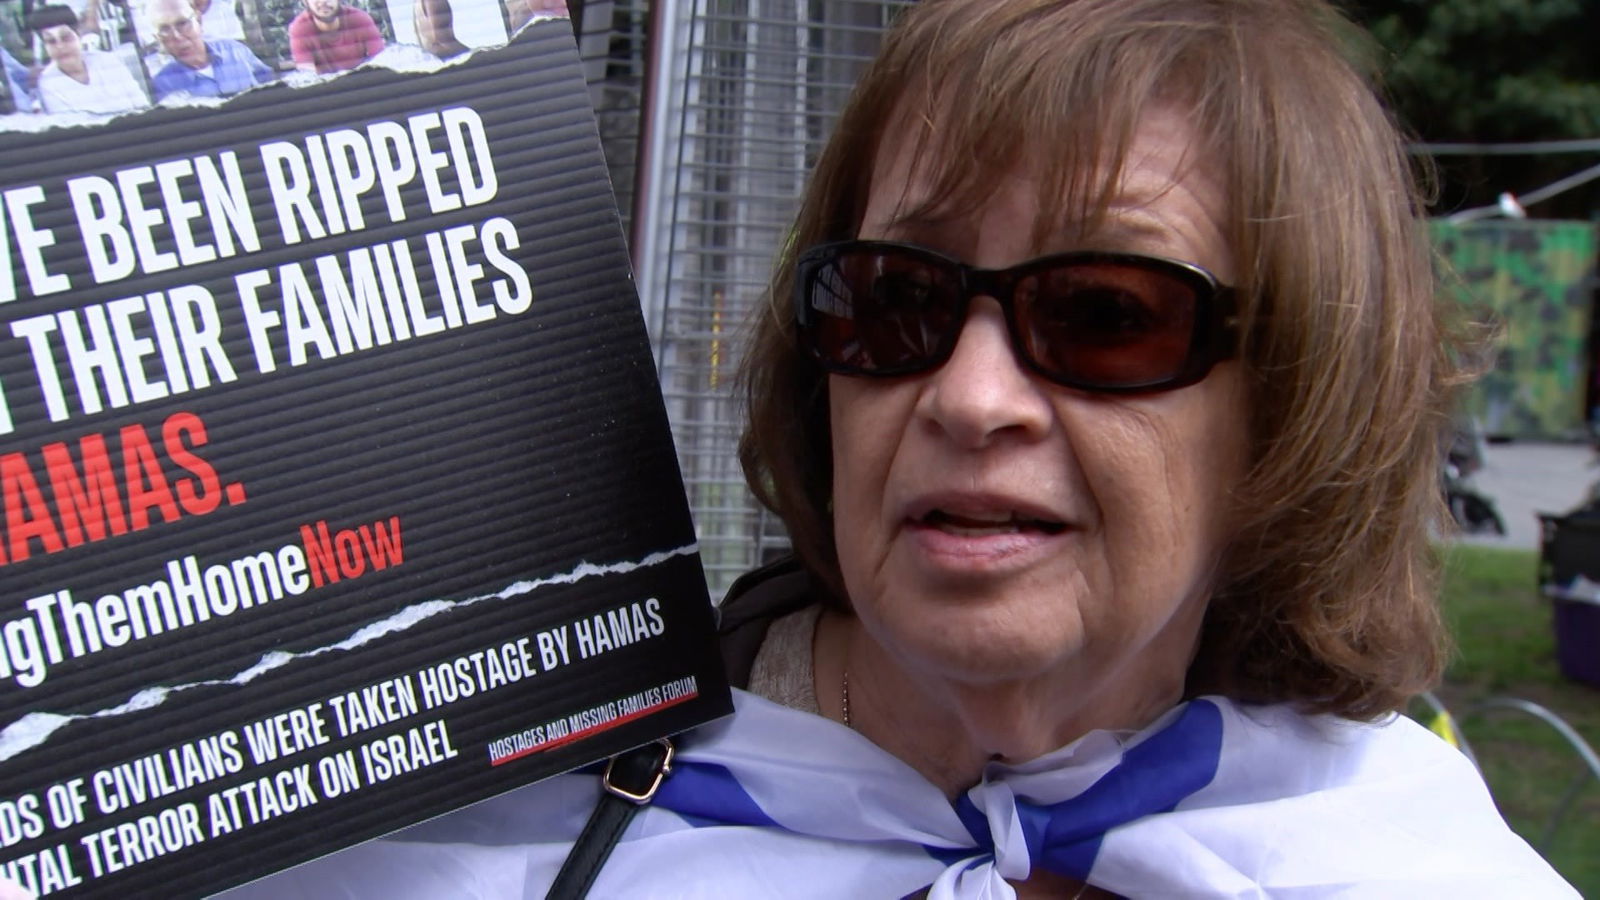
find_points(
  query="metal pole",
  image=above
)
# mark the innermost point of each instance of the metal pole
(655, 163)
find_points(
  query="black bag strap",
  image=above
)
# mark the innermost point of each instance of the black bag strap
(630, 781)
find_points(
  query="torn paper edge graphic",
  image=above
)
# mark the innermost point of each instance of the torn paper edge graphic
(35, 728)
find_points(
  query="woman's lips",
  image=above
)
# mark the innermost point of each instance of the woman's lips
(982, 509)
(969, 541)
(983, 525)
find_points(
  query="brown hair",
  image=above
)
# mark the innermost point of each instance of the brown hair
(1325, 597)
(52, 16)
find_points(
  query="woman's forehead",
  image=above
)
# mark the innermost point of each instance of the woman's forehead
(1124, 195)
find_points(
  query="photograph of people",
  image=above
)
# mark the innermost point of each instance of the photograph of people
(435, 25)
(201, 66)
(1099, 384)
(329, 36)
(448, 28)
(521, 12)
(17, 48)
(220, 19)
(19, 84)
(79, 79)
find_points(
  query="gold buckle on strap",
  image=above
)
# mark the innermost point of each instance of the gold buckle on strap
(661, 773)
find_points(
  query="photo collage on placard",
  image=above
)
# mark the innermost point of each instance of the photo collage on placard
(65, 59)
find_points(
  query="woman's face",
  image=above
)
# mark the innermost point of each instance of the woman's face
(992, 525)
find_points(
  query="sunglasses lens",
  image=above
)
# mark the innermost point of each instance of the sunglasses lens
(1120, 323)
(1107, 324)
(880, 312)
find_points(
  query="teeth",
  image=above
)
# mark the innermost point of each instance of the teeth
(994, 517)
(979, 524)
(971, 531)
(989, 519)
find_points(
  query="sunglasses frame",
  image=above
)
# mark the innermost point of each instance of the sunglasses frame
(1214, 338)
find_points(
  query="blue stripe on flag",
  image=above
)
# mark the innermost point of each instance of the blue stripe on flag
(1153, 777)
(952, 855)
(710, 795)
(976, 822)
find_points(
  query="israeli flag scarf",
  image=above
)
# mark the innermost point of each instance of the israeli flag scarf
(1212, 800)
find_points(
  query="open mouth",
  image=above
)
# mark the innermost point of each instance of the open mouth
(969, 525)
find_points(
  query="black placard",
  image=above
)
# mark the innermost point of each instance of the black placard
(338, 491)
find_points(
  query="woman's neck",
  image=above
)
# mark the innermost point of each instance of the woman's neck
(949, 730)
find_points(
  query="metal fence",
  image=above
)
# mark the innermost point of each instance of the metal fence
(744, 93)
(612, 36)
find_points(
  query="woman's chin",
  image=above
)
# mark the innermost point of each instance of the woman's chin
(980, 647)
(990, 611)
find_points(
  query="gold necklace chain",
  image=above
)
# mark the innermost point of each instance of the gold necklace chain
(844, 698)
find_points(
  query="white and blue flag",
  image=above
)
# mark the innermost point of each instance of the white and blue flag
(1214, 800)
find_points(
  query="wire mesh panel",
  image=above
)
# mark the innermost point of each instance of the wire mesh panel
(755, 90)
(612, 45)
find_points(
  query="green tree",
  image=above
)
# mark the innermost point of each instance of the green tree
(1495, 71)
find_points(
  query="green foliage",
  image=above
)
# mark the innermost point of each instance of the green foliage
(1494, 71)
(14, 31)
(1501, 629)
(1505, 647)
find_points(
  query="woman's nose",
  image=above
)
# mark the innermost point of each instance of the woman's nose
(983, 391)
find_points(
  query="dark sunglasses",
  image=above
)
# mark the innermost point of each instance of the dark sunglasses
(1114, 322)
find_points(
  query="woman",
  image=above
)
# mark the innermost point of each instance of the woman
(1104, 421)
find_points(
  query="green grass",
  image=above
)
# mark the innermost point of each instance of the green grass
(1505, 647)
